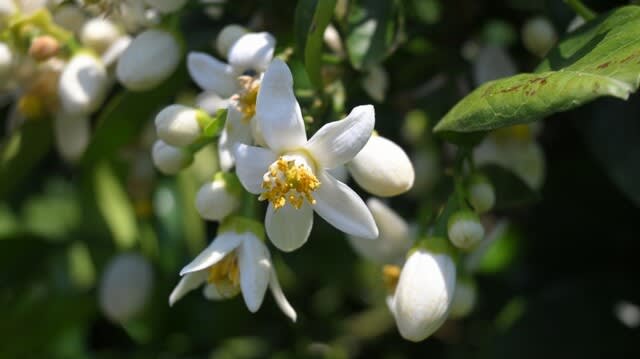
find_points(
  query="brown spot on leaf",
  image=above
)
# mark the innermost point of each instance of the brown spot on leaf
(604, 66)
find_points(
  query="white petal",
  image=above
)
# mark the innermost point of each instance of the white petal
(394, 240)
(210, 102)
(187, 283)
(226, 158)
(235, 131)
(219, 247)
(424, 294)
(288, 228)
(252, 51)
(113, 53)
(343, 208)
(338, 142)
(277, 110)
(279, 297)
(251, 164)
(211, 74)
(255, 269)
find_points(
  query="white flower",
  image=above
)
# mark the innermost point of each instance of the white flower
(125, 286)
(72, 135)
(150, 58)
(423, 295)
(252, 52)
(178, 125)
(227, 36)
(217, 199)
(83, 85)
(464, 299)
(99, 34)
(491, 63)
(538, 35)
(394, 240)
(236, 261)
(465, 230)
(382, 168)
(169, 159)
(291, 172)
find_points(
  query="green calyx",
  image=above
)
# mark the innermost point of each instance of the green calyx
(242, 225)
(23, 29)
(211, 125)
(230, 181)
(435, 245)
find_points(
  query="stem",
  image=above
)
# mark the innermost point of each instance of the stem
(581, 9)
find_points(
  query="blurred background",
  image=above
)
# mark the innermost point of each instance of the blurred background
(90, 251)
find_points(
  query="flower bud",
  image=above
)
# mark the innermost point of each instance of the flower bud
(99, 34)
(83, 85)
(227, 36)
(166, 6)
(125, 287)
(481, 194)
(150, 58)
(382, 168)
(376, 82)
(6, 60)
(464, 299)
(216, 200)
(169, 159)
(464, 229)
(43, 48)
(539, 36)
(178, 125)
(424, 293)
(394, 239)
(331, 37)
(72, 135)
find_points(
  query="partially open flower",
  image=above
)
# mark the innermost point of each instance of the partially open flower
(424, 292)
(382, 168)
(236, 261)
(83, 85)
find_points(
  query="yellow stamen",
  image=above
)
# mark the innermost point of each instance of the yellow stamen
(286, 181)
(390, 277)
(247, 97)
(226, 272)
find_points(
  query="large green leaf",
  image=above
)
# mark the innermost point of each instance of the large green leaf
(372, 31)
(311, 19)
(600, 59)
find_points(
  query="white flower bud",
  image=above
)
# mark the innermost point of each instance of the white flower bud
(227, 36)
(539, 36)
(331, 37)
(491, 63)
(382, 168)
(125, 286)
(166, 6)
(464, 299)
(424, 293)
(168, 159)
(178, 125)
(70, 17)
(465, 229)
(481, 194)
(376, 82)
(99, 34)
(83, 85)
(394, 239)
(150, 58)
(6, 60)
(216, 200)
(72, 135)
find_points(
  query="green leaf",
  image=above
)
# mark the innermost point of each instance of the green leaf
(372, 32)
(22, 152)
(600, 59)
(511, 191)
(311, 19)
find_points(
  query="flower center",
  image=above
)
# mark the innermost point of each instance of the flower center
(247, 96)
(390, 277)
(287, 180)
(225, 275)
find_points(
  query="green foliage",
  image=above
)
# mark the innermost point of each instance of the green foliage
(600, 59)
